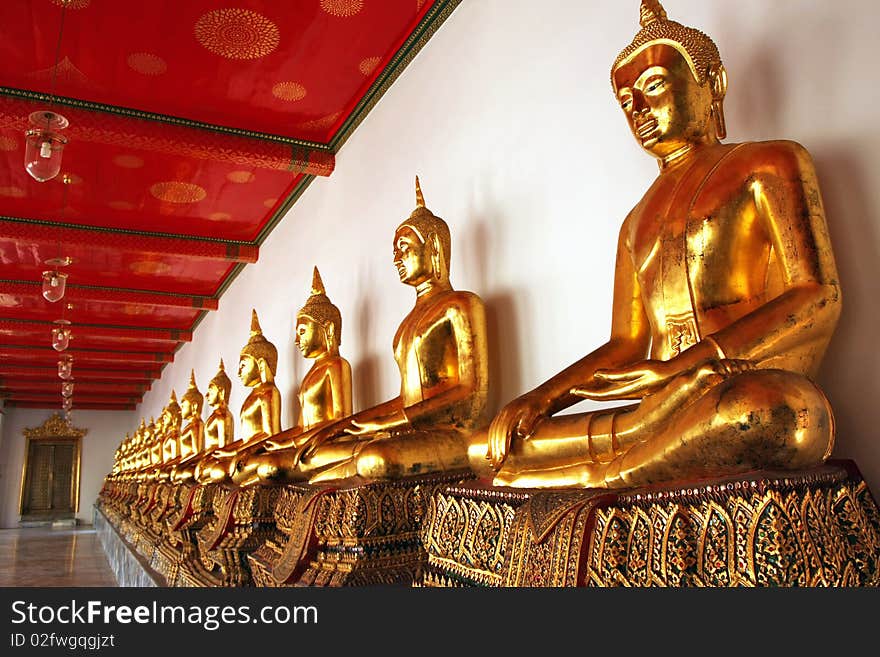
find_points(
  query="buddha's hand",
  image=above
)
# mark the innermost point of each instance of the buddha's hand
(649, 376)
(517, 419)
(375, 425)
(318, 438)
(223, 453)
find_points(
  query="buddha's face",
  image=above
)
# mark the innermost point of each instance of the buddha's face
(248, 371)
(412, 257)
(665, 106)
(309, 337)
(186, 408)
(213, 395)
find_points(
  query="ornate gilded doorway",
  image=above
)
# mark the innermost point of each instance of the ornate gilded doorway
(51, 473)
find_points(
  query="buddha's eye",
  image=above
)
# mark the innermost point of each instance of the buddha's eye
(626, 102)
(654, 84)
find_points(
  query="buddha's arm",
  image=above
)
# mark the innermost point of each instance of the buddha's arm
(340, 387)
(629, 342)
(787, 199)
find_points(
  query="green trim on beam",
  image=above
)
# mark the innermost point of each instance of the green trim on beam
(158, 118)
(122, 231)
(407, 52)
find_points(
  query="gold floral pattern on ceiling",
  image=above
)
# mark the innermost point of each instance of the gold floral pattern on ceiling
(240, 177)
(127, 161)
(219, 216)
(121, 205)
(368, 65)
(321, 123)
(12, 191)
(173, 191)
(289, 91)
(72, 4)
(146, 63)
(237, 33)
(342, 8)
(8, 144)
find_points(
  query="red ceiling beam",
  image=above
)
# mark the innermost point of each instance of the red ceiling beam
(48, 385)
(126, 398)
(104, 238)
(82, 341)
(16, 372)
(14, 353)
(22, 328)
(97, 406)
(76, 293)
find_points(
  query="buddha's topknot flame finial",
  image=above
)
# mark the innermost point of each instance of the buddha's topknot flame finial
(651, 11)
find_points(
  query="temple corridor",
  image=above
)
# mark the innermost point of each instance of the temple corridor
(42, 556)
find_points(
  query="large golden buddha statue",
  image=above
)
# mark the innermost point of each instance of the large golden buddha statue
(725, 298)
(324, 395)
(170, 421)
(440, 349)
(192, 435)
(260, 415)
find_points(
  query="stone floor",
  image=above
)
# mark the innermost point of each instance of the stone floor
(42, 556)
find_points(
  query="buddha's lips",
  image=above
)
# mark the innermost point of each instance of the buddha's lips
(646, 130)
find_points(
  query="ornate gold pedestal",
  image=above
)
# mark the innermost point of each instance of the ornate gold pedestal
(819, 527)
(243, 519)
(356, 534)
(179, 548)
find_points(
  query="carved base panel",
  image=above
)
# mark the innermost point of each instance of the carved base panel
(356, 534)
(818, 527)
(243, 520)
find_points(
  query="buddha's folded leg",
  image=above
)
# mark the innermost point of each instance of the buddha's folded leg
(414, 453)
(243, 466)
(755, 420)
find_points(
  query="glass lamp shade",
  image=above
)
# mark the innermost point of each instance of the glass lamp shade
(60, 335)
(66, 403)
(67, 389)
(54, 284)
(65, 368)
(44, 145)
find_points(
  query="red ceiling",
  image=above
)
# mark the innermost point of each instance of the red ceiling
(194, 124)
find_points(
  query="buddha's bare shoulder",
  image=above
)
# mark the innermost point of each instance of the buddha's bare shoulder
(778, 157)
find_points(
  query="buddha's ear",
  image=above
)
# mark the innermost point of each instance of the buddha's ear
(438, 263)
(717, 79)
(263, 367)
(329, 334)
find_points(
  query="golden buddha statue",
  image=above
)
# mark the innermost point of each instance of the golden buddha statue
(171, 419)
(440, 349)
(725, 298)
(260, 415)
(192, 435)
(324, 394)
(219, 427)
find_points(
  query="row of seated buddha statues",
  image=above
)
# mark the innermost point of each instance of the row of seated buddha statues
(726, 296)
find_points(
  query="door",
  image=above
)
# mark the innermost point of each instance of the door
(50, 479)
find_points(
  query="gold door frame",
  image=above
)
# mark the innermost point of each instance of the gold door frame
(54, 428)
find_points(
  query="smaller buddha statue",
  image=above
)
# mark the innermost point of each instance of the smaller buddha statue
(171, 419)
(260, 415)
(440, 349)
(324, 395)
(220, 425)
(192, 436)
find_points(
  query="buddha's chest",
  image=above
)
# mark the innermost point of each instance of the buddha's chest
(426, 350)
(316, 400)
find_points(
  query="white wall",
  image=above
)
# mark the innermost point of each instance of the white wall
(105, 430)
(508, 117)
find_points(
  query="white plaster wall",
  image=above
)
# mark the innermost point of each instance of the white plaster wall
(508, 117)
(105, 430)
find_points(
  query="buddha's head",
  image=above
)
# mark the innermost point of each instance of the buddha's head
(258, 357)
(219, 388)
(422, 246)
(171, 416)
(670, 83)
(192, 400)
(318, 323)
(150, 430)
